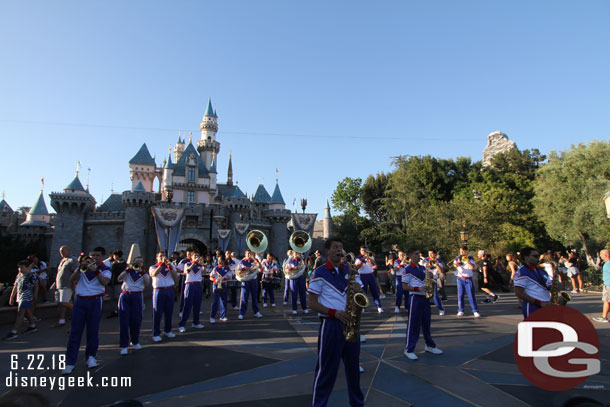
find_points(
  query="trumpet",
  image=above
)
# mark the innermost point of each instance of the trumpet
(464, 259)
(136, 267)
(433, 263)
(84, 266)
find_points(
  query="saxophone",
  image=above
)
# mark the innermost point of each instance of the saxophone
(558, 297)
(429, 283)
(356, 301)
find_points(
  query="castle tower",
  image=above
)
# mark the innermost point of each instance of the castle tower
(327, 222)
(168, 171)
(71, 206)
(208, 145)
(138, 225)
(213, 173)
(178, 149)
(142, 167)
(230, 172)
(277, 201)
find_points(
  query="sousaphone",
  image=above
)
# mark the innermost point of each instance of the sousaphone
(257, 242)
(300, 242)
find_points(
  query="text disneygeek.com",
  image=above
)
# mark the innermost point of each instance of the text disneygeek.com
(15, 380)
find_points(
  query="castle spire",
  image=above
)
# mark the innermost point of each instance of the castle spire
(230, 171)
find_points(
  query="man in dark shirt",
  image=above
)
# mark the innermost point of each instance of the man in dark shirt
(118, 266)
(486, 281)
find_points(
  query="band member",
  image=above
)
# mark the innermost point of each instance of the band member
(249, 287)
(220, 273)
(131, 300)
(117, 266)
(91, 283)
(164, 278)
(327, 296)
(532, 283)
(270, 271)
(414, 281)
(435, 265)
(465, 268)
(433, 255)
(193, 292)
(485, 278)
(297, 286)
(399, 271)
(286, 281)
(182, 276)
(366, 267)
(232, 264)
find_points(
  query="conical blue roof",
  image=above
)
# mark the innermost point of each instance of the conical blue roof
(327, 210)
(168, 163)
(39, 207)
(277, 196)
(139, 187)
(4, 204)
(209, 111)
(143, 157)
(180, 167)
(75, 185)
(261, 195)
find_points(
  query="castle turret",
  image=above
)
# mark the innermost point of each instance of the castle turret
(208, 146)
(168, 171)
(71, 206)
(230, 172)
(142, 167)
(179, 149)
(38, 215)
(327, 222)
(277, 201)
(213, 173)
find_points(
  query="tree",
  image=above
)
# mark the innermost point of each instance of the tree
(568, 195)
(347, 197)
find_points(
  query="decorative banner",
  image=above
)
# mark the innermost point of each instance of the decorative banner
(167, 222)
(306, 222)
(223, 238)
(240, 238)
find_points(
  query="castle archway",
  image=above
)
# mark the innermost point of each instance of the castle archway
(191, 243)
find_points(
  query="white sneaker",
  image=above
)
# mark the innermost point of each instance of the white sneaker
(441, 313)
(240, 316)
(137, 346)
(224, 319)
(198, 326)
(436, 351)
(124, 351)
(157, 338)
(477, 315)
(91, 362)
(235, 308)
(264, 305)
(180, 314)
(61, 322)
(396, 310)
(212, 320)
(362, 338)
(169, 334)
(68, 369)
(380, 310)
(273, 305)
(460, 314)
(258, 315)
(382, 297)
(294, 312)
(361, 368)
(285, 303)
(181, 329)
(411, 355)
(306, 311)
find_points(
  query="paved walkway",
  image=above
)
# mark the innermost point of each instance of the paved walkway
(270, 362)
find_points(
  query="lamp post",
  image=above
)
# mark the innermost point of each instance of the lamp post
(464, 236)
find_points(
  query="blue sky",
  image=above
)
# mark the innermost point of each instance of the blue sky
(320, 90)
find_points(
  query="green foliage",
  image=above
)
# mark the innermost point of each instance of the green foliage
(347, 196)
(568, 195)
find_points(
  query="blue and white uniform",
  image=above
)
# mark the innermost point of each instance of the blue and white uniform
(249, 288)
(419, 307)
(297, 286)
(269, 271)
(232, 263)
(367, 275)
(180, 269)
(87, 311)
(330, 284)
(163, 297)
(400, 271)
(286, 281)
(193, 292)
(465, 284)
(536, 283)
(131, 306)
(220, 296)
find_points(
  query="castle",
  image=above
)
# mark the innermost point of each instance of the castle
(187, 179)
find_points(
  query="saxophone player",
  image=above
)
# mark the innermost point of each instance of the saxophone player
(532, 283)
(414, 281)
(435, 265)
(327, 296)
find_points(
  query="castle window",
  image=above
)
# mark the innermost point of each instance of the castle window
(190, 197)
(191, 174)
